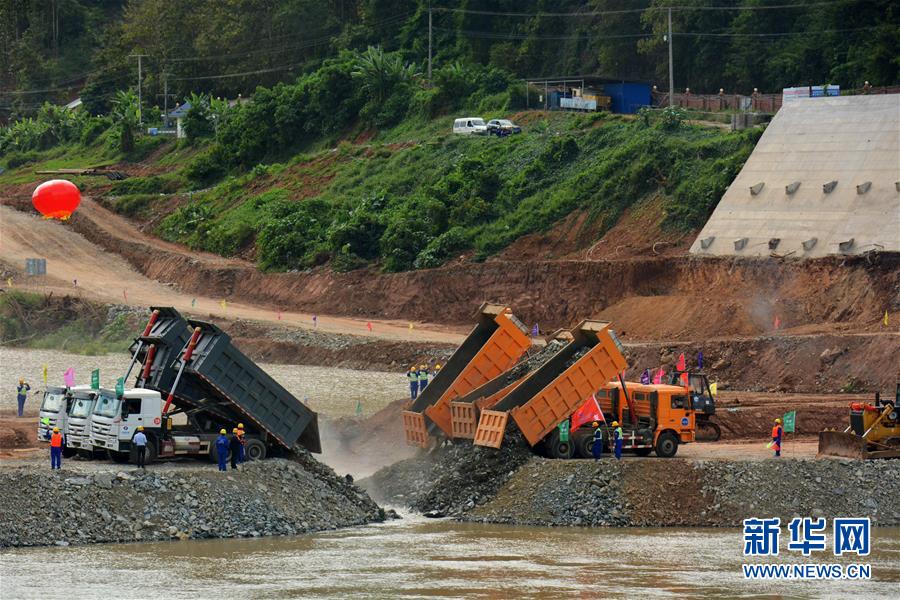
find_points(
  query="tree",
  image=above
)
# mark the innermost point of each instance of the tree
(380, 72)
(125, 116)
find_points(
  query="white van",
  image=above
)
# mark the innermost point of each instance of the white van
(469, 125)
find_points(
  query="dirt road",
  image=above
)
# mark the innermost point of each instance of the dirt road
(107, 277)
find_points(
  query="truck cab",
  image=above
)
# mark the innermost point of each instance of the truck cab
(55, 407)
(78, 424)
(114, 421)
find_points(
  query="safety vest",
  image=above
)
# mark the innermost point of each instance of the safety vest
(423, 375)
(413, 376)
(240, 435)
(22, 390)
(776, 431)
(598, 434)
(56, 440)
(619, 435)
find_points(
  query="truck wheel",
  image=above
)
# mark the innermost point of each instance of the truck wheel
(559, 449)
(666, 445)
(254, 450)
(151, 455)
(69, 452)
(119, 457)
(86, 454)
(643, 451)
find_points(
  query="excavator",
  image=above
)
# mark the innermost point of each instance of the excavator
(873, 432)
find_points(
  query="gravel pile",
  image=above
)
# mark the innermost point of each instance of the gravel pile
(451, 480)
(272, 497)
(560, 493)
(807, 488)
(679, 493)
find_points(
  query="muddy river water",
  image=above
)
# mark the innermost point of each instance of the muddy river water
(417, 558)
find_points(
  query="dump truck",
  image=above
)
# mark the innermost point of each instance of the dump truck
(654, 418)
(551, 393)
(54, 412)
(78, 424)
(191, 372)
(873, 432)
(495, 344)
(465, 410)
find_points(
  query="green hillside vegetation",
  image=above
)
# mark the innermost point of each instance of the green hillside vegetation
(412, 196)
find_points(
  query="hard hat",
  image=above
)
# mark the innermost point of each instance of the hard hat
(423, 366)
(222, 431)
(56, 430)
(596, 424)
(778, 421)
(437, 366)
(140, 427)
(240, 425)
(21, 380)
(235, 430)
(615, 423)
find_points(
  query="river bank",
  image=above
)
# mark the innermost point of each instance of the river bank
(97, 502)
(513, 487)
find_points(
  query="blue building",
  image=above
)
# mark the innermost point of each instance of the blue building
(627, 97)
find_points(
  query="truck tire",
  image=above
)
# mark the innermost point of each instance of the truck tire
(585, 446)
(254, 450)
(69, 452)
(86, 454)
(666, 445)
(643, 451)
(559, 449)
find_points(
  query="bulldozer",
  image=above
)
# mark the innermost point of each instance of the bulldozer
(873, 432)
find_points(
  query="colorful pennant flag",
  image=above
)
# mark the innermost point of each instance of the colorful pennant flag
(680, 365)
(535, 331)
(885, 318)
(44, 373)
(223, 303)
(700, 359)
(645, 376)
(777, 323)
(789, 422)
(410, 326)
(684, 379)
(658, 378)
(713, 388)
(369, 326)
(69, 377)
(358, 408)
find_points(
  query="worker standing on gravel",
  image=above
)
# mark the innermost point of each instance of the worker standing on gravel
(22, 395)
(597, 446)
(235, 447)
(619, 438)
(240, 432)
(777, 433)
(56, 446)
(140, 443)
(413, 377)
(222, 449)
(423, 377)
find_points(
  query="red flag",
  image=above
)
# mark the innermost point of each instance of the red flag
(684, 379)
(588, 413)
(681, 366)
(369, 325)
(777, 322)
(658, 378)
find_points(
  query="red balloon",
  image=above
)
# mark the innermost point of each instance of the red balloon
(56, 199)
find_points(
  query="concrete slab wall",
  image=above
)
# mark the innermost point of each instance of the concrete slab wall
(851, 140)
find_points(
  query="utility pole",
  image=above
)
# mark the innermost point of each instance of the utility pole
(165, 96)
(429, 43)
(140, 112)
(671, 66)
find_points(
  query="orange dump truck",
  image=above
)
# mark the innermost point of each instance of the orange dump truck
(551, 393)
(465, 410)
(653, 418)
(494, 345)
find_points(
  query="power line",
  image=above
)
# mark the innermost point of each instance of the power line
(598, 13)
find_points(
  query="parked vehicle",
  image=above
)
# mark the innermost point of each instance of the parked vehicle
(192, 371)
(470, 125)
(78, 426)
(502, 127)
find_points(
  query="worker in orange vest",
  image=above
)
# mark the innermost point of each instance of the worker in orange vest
(240, 434)
(777, 433)
(56, 446)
